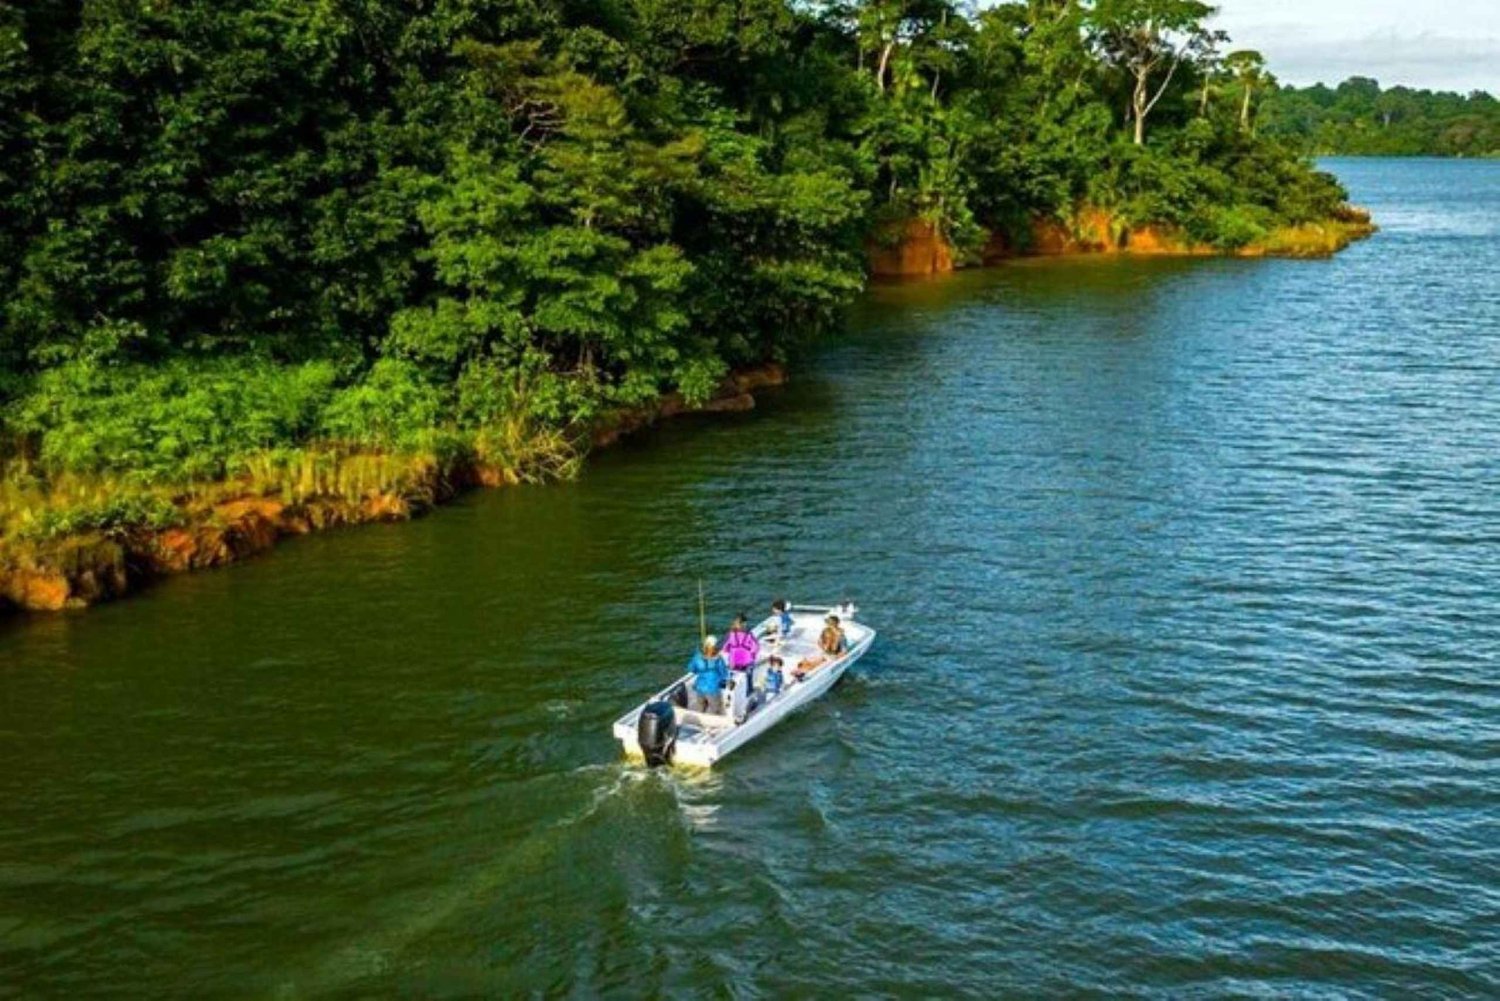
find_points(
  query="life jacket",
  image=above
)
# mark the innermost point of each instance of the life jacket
(741, 648)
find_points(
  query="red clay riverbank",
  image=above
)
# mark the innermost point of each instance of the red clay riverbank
(915, 248)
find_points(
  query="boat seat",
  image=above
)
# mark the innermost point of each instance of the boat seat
(705, 722)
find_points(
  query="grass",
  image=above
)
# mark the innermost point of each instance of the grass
(40, 505)
(1310, 239)
(37, 506)
(1318, 239)
(91, 475)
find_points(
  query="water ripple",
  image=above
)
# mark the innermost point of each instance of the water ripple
(1188, 685)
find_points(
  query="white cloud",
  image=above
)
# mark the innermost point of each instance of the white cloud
(1455, 46)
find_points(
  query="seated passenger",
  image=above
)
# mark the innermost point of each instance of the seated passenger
(832, 644)
(705, 691)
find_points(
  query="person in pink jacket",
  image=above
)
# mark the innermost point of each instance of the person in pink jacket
(741, 648)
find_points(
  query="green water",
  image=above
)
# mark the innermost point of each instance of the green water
(1188, 582)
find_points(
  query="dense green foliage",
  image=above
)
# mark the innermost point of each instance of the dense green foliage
(228, 226)
(1359, 118)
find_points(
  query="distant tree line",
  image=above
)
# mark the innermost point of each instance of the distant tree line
(235, 225)
(1358, 117)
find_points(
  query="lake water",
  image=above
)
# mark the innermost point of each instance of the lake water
(1188, 581)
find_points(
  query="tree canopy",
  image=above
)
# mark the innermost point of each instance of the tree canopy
(1360, 117)
(368, 220)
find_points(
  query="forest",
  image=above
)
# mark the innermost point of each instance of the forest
(1359, 118)
(248, 240)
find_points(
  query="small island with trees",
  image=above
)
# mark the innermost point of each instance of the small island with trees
(268, 265)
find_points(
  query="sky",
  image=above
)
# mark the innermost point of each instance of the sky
(1433, 44)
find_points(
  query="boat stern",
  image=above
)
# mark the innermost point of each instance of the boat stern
(625, 732)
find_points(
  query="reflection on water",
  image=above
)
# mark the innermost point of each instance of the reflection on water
(1186, 577)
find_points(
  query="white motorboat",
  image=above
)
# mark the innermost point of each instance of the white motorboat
(662, 730)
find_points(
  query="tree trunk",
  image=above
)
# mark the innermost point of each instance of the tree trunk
(885, 57)
(1143, 100)
(1245, 111)
(1138, 107)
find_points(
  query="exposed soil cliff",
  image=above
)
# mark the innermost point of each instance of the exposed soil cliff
(911, 249)
(917, 249)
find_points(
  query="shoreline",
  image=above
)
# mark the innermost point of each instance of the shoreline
(915, 248)
(77, 571)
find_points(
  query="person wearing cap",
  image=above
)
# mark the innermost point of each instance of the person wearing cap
(705, 692)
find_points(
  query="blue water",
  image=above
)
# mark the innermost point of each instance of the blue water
(1188, 581)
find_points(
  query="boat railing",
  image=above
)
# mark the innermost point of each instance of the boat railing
(848, 609)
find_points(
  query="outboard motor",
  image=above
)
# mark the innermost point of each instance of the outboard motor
(656, 732)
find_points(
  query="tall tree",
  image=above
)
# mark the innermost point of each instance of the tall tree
(401, 217)
(1249, 70)
(1149, 40)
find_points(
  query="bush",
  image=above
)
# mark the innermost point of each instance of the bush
(393, 407)
(1234, 226)
(180, 420)
(1312, 197)
(111, 517)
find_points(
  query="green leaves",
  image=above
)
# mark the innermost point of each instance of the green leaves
(240, 224)
(170, 421)
(1358, 117)
(393, 407)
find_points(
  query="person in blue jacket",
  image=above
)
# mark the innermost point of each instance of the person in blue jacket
(774, 676)
(783, 618)
(710, 673)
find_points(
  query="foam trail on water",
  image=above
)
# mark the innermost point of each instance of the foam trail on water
(376, 954)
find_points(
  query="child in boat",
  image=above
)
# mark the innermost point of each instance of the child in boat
(783, 619)
(705, 691)
(832, 644)
(774, 677)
